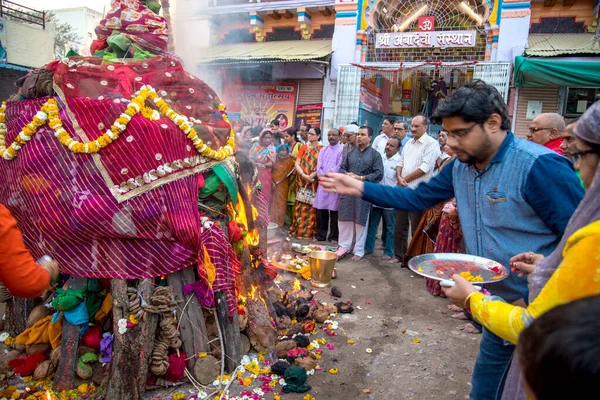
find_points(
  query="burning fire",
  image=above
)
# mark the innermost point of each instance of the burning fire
(254, 294)
(241, 217)
(48, 396)
(296, 285)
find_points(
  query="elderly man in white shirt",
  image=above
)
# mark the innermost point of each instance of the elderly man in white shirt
(417, 164)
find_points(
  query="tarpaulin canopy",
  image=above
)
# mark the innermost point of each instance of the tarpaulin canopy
(530, 72)
(281, 51)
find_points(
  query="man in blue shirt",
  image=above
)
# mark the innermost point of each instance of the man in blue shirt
(512, 197)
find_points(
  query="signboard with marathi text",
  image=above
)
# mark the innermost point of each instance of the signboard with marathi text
(441, 39)
(257, 104)
(309, 114)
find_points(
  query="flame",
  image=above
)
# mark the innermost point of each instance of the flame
(253, 295)
(48, 396)
(241, 217)
(241, 300)
(296, 285)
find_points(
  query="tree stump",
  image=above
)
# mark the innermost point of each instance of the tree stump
(69, 346)
(133, 349)
(230, 331)
(192, 328)
(17, 311)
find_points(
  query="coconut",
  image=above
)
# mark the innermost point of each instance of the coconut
(282, 348)
(43, 370)
(84, 371)
(37, 348)
(242, 321)
(305, 362)
(38, 313)
(55, 356)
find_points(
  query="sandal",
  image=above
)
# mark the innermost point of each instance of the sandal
(342, 254)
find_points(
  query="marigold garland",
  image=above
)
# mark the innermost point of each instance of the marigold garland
(49, 113)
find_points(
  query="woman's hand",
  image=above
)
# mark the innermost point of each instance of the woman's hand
(342, 184)
(458, 293)
(525, 262)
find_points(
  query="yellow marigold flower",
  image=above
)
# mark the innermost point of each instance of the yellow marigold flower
(83, 388)
(333, 371)
(273, 383)
(308, 397)
(16, 394)
(350, 341)
(321, 341)
(93, 147)
(20, 141)
(317, 356)
(416, 340)
(133, 319)
(78, 147)
(130, 111)
(202, 355)
(27, 379)
(276, 397)
(122, 120)
(261, 356)
(310, 347)
(178, 396)
(247, 381)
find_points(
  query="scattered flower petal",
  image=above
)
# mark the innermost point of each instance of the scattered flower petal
(368, 350)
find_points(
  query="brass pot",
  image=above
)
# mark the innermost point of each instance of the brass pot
(322, 264)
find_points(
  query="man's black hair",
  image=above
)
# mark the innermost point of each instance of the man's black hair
(475, 101)
(560, 351)
(369, 130)
(275, 122)
(391, 120)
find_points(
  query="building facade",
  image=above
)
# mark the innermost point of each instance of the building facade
(83, 20)
(26, 41)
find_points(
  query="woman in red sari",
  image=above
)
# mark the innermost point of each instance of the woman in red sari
(304, 223)
(262, 155)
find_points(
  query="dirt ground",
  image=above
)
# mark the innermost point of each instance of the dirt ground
(392, 299)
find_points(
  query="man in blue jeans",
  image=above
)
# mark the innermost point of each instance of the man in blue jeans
(390, 158)
(513, 196)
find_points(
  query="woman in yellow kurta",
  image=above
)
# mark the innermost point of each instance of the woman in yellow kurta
(571, 272)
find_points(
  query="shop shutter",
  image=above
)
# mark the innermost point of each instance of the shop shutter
(549, 99)
(347, 96)
(310, 91)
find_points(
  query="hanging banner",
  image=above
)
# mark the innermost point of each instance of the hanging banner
(442, 39)
(257, 104)
(309, 114)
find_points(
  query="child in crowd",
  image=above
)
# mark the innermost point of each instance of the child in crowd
(560, 352)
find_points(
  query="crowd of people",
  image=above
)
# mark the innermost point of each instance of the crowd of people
(522, 204)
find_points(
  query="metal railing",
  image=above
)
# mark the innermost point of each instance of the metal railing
(14, 11)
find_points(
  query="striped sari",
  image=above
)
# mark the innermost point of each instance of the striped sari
(304, 224)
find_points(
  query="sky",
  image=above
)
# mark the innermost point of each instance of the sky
(98, 5)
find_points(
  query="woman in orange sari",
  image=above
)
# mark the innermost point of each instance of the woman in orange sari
(281, 176)
(304, 225)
